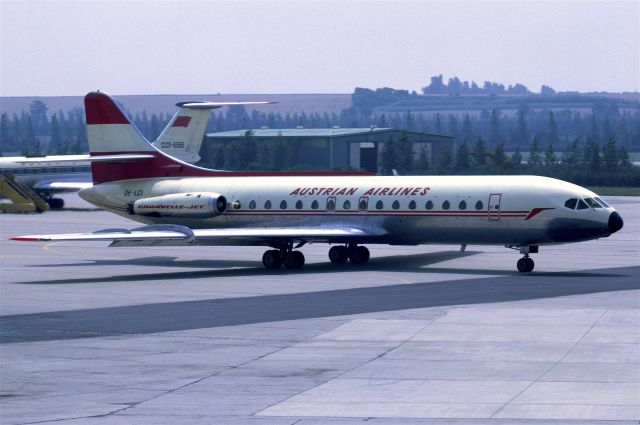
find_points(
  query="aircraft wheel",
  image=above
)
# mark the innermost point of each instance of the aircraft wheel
(338, 254)
(293, 260)
(525, 265)
(55, 203)
(272, 259)
(359, 255)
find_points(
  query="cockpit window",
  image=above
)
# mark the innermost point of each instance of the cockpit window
(592, 203)
(571, 203)
(582, 205)
(601, 202)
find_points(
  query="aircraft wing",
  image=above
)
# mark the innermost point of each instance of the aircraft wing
(60, 186)
(172, 235)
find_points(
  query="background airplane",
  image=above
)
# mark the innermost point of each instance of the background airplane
(184, 205)
(52, 174)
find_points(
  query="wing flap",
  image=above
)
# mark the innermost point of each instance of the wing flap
(171, 235)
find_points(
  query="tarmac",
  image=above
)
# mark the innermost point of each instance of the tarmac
(420, 335)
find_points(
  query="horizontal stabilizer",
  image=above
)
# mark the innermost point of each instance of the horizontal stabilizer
(214, 105)
(52, 160)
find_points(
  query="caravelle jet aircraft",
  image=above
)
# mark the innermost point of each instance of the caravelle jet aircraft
(181, 204)
(53, 174)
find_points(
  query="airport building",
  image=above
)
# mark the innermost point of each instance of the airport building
(358, 148)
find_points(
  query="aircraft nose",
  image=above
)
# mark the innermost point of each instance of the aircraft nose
(615, 222)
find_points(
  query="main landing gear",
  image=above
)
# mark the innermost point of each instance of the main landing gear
(525, 264)
(55, 203)
(274, 258)
(355, 254)
(339, 254)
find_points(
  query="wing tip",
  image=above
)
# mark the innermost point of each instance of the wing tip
(24, 238)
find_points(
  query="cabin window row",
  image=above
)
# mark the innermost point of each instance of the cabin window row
(363, 204)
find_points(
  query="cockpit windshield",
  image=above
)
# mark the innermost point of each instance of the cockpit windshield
(592, 203)
(601, 202)
(571, 203)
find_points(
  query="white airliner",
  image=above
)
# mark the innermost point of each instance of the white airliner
(184, 205)
(52, 174)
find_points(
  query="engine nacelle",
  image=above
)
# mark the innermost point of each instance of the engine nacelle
(186, 205)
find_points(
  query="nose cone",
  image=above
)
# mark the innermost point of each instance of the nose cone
(615, 222)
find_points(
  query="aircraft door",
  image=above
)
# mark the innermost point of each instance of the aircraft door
(493, 211)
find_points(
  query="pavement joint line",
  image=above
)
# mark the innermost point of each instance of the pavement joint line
(543, 374)
(387, 351)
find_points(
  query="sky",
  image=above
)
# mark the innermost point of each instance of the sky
(67, 48)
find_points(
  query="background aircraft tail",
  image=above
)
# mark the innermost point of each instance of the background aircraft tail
(184, 133)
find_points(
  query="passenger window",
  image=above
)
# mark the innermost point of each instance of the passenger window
(395, 205)
(582, 205)
(267, 205)
(363, 204)
(237, 205)
(446, 205)
(479, 205)
(314, 205)
(283, 205)
(592, 203)
(252, 204)
(428, 205)
(462, 205)
(412, 205)
(299, 205)
(346, 205)
(571, 203)
(379, 205)
(331, 203)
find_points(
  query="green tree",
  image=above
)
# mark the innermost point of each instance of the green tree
(462, 158)
(550, 157)
(571, 156)
(56, 144)
(534, 160)
(479, 153)
(499, 157)
(516, 159)
(591, 155)
(609, 155)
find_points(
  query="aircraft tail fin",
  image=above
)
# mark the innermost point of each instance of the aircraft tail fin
(183, 135)
(110, 134)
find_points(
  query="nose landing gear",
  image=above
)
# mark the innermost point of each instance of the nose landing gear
(525, 264)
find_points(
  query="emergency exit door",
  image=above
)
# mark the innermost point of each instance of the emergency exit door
(494, 206)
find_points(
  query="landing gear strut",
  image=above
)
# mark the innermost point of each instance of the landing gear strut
(274, 258)
(355, 254)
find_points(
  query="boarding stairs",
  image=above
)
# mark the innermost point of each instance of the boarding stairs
(22, 198)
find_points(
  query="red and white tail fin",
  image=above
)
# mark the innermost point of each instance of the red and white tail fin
(110, 133)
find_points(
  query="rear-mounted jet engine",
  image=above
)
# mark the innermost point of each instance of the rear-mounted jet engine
(196, 205)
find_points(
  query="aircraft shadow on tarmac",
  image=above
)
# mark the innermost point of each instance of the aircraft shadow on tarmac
(414, 263)
(199, 314)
